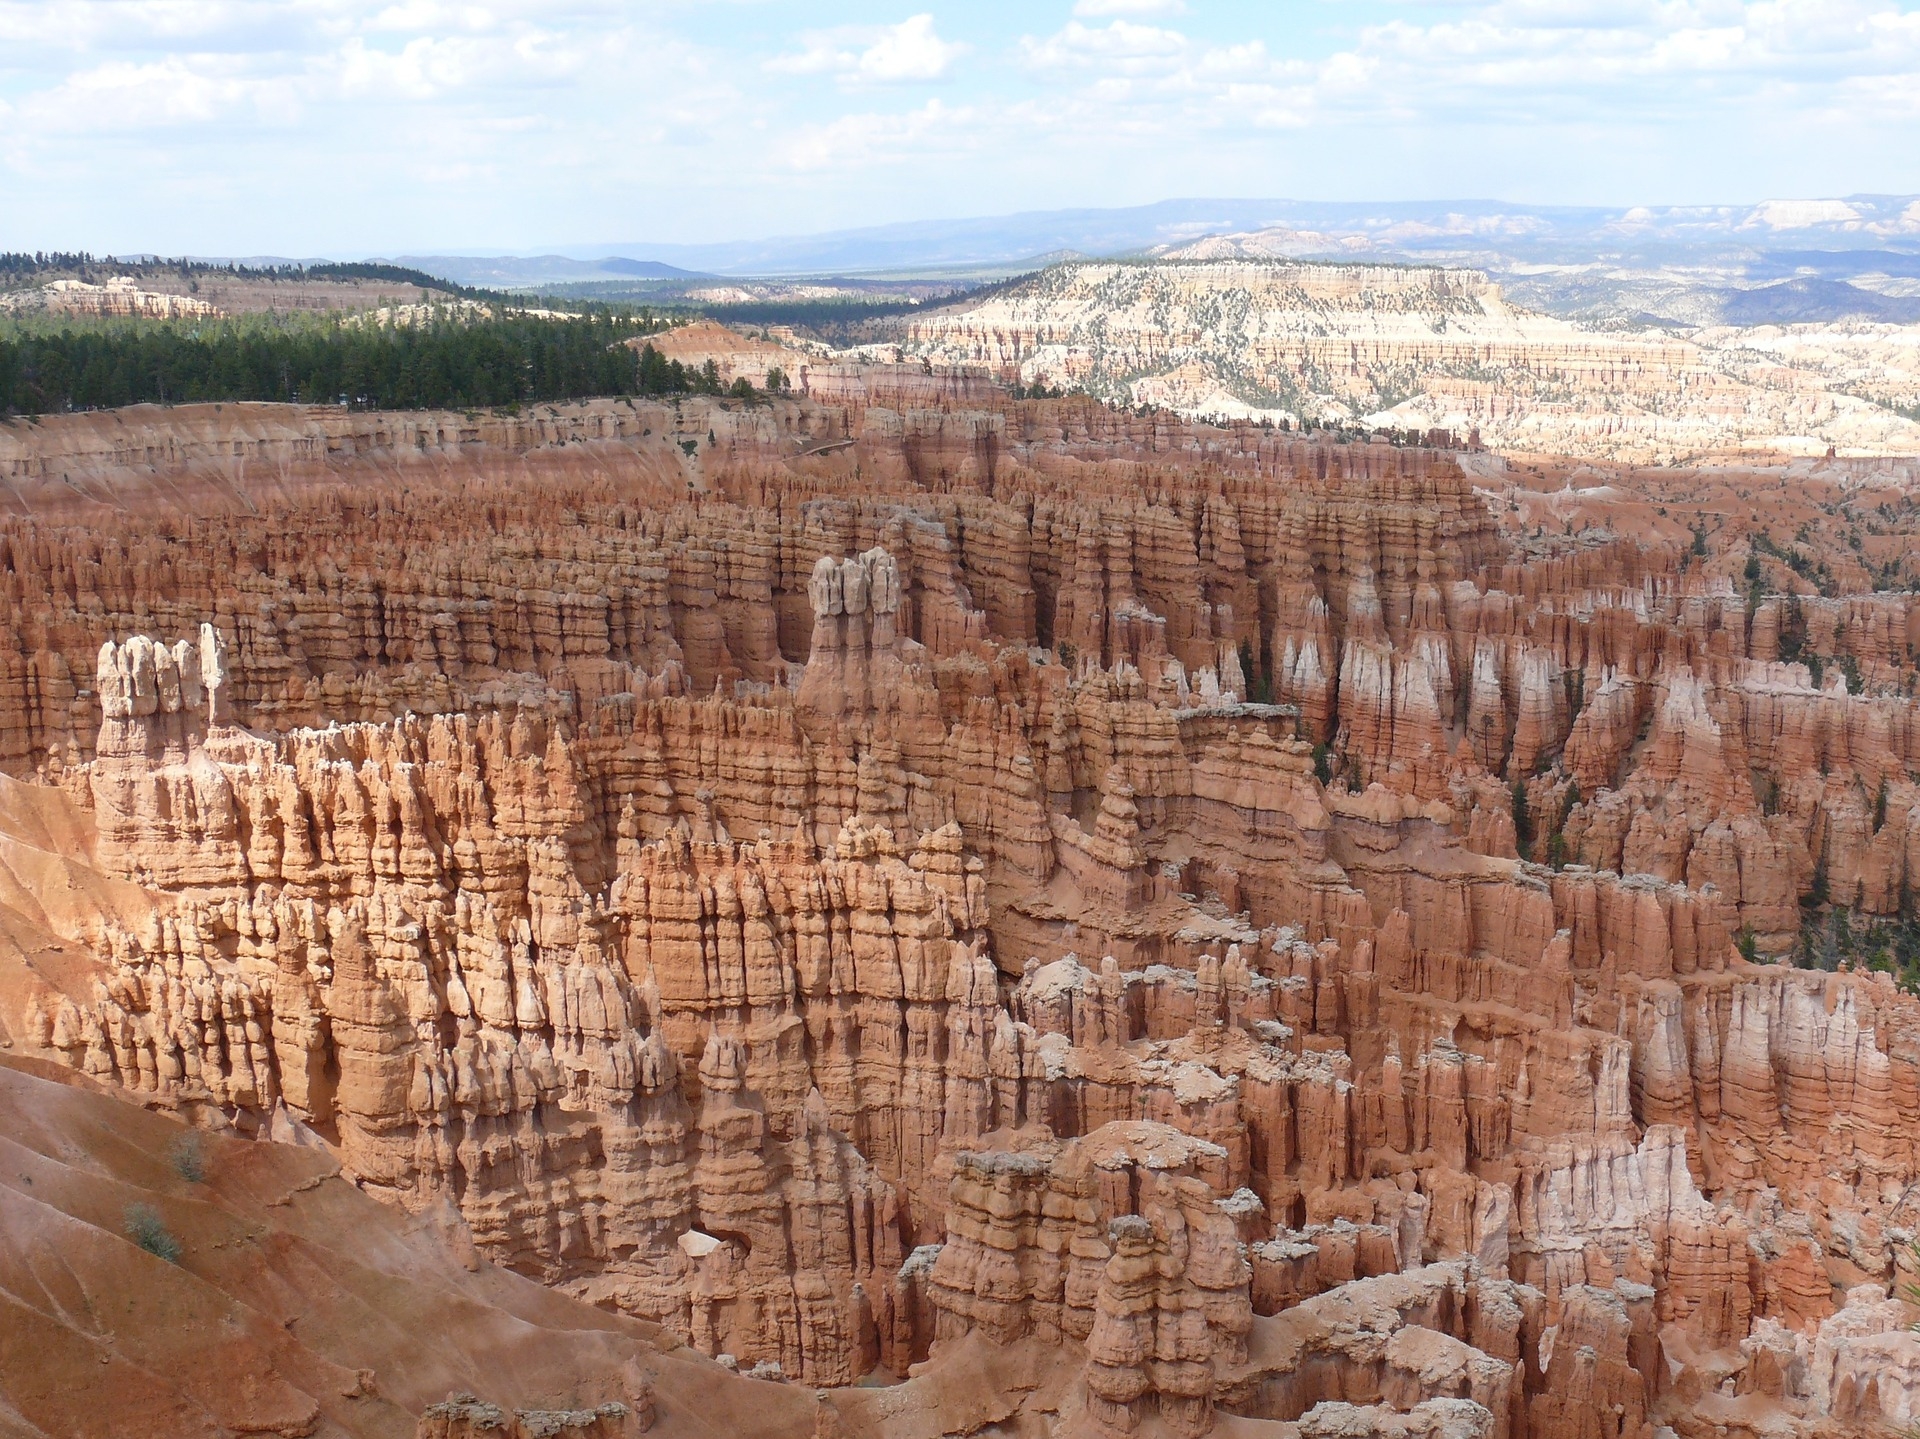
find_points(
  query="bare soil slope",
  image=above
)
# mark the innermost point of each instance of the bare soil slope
(298, 1305)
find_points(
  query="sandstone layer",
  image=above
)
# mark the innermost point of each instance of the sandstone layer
(120, 297)
(1121, 925)
(1415, 348)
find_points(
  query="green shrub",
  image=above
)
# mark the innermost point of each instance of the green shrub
(147, 1229)
(188, 1158)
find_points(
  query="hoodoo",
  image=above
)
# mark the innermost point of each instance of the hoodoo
(975, 916)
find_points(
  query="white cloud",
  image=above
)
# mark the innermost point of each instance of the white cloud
(413, 16)
(821, 56)
(123, 96)
(149, 121)
(1093, 8)
(1581, 63)
(1120, 47)
(874, 55)
(426, 68)
(908, 51)
(80, 25)
(870, 139)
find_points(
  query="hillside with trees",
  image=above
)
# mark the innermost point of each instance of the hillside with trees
(446, 362)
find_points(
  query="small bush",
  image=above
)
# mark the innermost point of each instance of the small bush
(188, 1159)
(146, 1228)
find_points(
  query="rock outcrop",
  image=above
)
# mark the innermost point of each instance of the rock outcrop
(1421, 349)
(1199, 914)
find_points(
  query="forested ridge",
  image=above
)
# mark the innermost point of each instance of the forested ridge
(441, 363)
(20, 267)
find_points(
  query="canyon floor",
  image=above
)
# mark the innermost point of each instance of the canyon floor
(895, 912)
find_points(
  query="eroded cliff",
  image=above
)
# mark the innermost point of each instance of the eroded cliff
(1417, 347)
(1200, 926)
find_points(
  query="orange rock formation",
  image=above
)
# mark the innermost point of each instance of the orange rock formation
(1180, 927)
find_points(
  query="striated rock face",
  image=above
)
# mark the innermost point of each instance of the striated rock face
(1420, 348)
(120, 296)
(1194, 925)
(733, 356)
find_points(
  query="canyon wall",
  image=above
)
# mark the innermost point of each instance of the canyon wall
(873, 881)
(1417, 348)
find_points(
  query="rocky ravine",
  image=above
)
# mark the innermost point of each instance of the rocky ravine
(1025, 896)
(1417, 348)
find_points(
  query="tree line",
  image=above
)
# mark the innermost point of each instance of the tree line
(847, 320)
(22, 265)
(438, 364)
(16, 265)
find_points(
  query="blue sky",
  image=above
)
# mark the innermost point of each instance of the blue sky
(308, 127)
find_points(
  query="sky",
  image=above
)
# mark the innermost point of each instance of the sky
(359, 127)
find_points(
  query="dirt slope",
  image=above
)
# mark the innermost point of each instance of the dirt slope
(298, 1305)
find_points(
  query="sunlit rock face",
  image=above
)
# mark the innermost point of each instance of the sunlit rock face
(1209, 912)
(1415, 348)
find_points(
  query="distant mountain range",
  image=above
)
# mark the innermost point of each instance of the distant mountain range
(1809, 300)
(1779, 261)
(507, 272)
(1411, 227)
